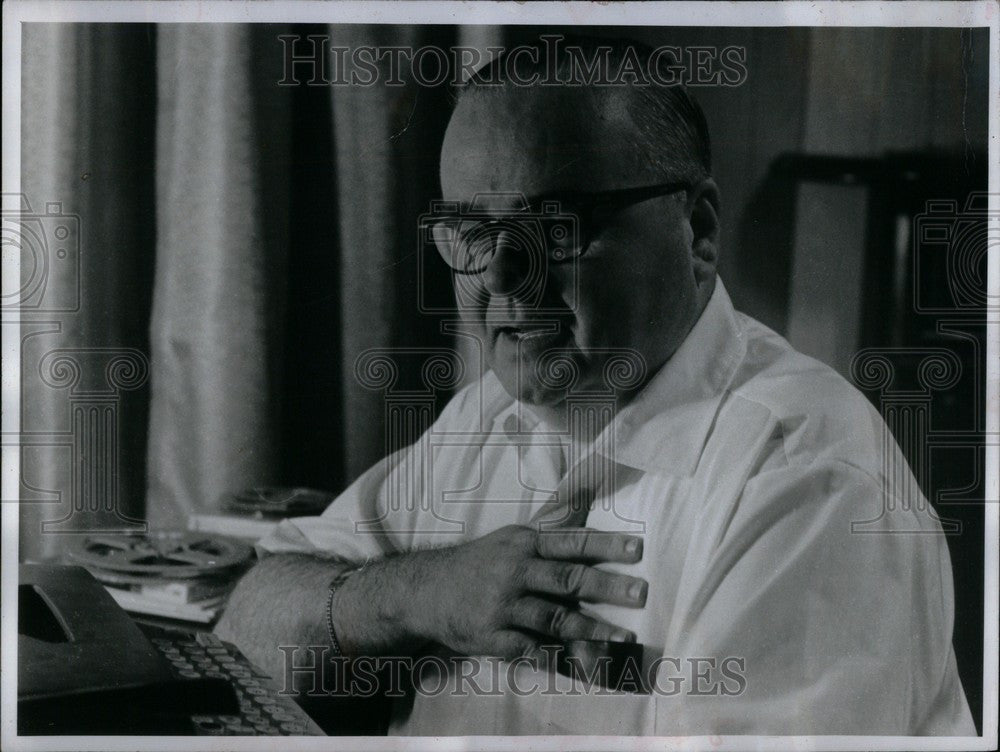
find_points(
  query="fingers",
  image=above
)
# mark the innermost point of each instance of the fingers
(561, 621)
(576, 581)
(510, 644)
(586, 544)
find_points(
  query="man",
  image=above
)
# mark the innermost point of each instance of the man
(716, 470)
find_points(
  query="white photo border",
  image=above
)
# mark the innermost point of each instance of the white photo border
(843, 13)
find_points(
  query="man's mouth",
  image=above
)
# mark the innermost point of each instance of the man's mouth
(529, 334)
(520, 332)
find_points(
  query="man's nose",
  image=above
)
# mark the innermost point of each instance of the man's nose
(510, 265)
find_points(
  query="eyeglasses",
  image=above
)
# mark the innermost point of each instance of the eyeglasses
(558, 230)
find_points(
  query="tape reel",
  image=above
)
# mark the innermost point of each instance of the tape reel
(165, 554)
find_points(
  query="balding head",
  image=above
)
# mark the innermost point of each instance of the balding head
(646, 269)
(544, 139)
(670, 127)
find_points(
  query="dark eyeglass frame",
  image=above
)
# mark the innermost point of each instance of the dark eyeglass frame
(583, 206)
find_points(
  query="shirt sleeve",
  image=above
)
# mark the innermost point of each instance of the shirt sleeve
(826, 630)
(350, 528)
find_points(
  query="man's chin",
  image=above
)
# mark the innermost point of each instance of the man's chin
(528, 389)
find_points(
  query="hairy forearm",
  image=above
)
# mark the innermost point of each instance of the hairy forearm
(283, 599)
(382, 609)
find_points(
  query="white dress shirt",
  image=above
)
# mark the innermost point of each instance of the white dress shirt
(743, 464)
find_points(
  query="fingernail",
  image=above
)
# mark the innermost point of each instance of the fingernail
(632, 547)
(637, 591)
(621, 635)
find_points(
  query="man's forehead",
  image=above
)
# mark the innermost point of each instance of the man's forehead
(540, 141)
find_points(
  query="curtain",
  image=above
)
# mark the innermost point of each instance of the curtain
(86, 240)
(242, 244)
(294, 256)
(222, 174)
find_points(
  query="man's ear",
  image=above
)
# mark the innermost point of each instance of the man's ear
(703, 215)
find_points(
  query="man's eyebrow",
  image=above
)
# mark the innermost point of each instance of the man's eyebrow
(533, 203)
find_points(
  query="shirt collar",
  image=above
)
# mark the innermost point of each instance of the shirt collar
(665, 427)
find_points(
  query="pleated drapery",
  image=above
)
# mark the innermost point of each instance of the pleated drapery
(87, 236)
(241, 245)
(223, 140)
(285, 252)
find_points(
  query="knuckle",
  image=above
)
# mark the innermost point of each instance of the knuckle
(598, 631)
(612, 586)
(570, 578)
(508, 531)
(523, 537)
(500, 612)
(583, 541)
(557, 620)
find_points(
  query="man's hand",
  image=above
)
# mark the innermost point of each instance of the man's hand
(510, 591)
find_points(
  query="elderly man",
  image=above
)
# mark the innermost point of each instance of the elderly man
(641, 464)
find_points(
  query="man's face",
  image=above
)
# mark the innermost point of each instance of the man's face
(631, 293)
